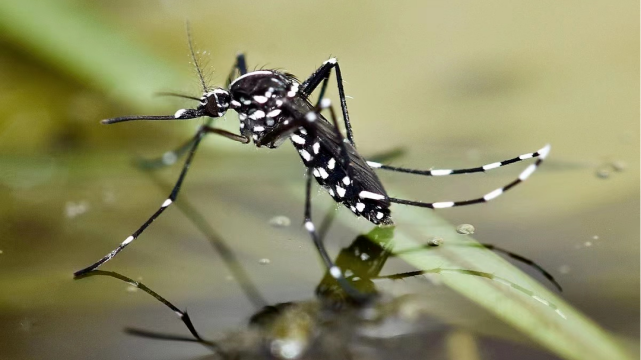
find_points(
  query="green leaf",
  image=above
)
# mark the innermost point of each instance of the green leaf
(79, 43)
(521, 301)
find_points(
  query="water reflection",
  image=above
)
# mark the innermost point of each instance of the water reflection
(329, 325)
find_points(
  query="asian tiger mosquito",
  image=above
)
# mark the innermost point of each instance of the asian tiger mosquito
(272, 106)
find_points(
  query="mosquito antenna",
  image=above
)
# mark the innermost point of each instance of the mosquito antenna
(177, 95)
(193, 56)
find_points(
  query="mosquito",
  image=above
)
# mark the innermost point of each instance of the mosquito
(274, 106)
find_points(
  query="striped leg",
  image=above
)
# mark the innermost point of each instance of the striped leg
(240, 66)
(184, 317)
(333, 270)
(170, 199)
(486, 275)
(443, 172)
(541, 154)
(322, 74)
(497, 249)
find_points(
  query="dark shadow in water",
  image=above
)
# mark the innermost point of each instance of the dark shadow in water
(331, 323)
(328, 325)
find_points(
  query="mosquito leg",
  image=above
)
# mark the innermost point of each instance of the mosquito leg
(487, 197)
(486, 275)
(170, 199)
(491, 247)
(183, 315)
(322, 74)
(444, 172)
(220, 245)
(240, 66)
(334, 270)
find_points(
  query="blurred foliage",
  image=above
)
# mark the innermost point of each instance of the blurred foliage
(479, 80)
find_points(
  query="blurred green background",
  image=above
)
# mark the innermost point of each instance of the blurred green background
(456, 84)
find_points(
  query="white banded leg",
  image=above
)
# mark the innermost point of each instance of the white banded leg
(334, 270)
(183, 315)
(170, 199)
(486, 275)
(322, 74)
(444, 172)
(497, 249)
(487, 197)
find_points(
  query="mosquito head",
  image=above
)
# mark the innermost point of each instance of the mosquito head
(214, 103)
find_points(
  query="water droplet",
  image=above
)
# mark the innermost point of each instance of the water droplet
(619, 165)
(435, 241)
(73, 209)
(465, 229)
(280, 221)
(564, 269)
(603, 173)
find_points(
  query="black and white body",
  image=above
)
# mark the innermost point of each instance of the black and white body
(270, 102)
(274, 106)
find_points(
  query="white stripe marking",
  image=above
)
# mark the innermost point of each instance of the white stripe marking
(127, 240)
(166, 203)
(259, 128)
(273, 113)
(179, 113)
(379, 215)
(441, 205)
(374, 164)
(491, 166)
(346, 180)
(311, 116)
(316, 147)
(340, 191)
(298, 140)
(360, 206)
(325, 103)
(544, 152)
(316, 173)
(440, 172)
(258, 114)
(305, 155)
(263, 72)
(331, 163)
(336, 272)
(260, 99)
(323, 173)
(309, 226)
(370, 195)
(526, 156)
(527, 172)
(493, 194)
